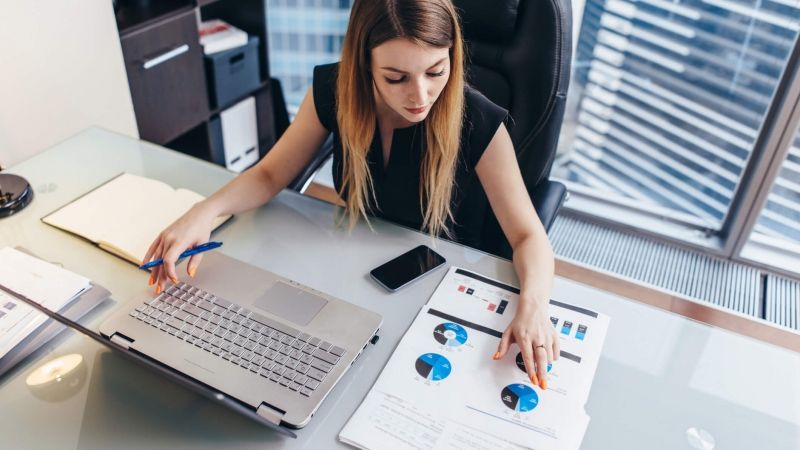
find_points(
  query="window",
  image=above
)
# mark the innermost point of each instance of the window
(303, 34)
(780, 217)
(665, 109)
(775, 239)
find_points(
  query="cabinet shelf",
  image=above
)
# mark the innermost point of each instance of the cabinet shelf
(133, 15)
(255, 91)
(168, 76)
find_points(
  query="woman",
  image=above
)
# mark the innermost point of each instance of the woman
(411, 141)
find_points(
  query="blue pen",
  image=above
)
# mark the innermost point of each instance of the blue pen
(194, 250)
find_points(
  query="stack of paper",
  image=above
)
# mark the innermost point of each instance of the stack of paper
(45, 283)
(441, 389)
(217, 36)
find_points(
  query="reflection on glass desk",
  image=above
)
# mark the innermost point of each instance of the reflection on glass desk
(664, 382)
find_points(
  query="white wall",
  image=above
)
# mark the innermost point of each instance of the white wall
(61, 70)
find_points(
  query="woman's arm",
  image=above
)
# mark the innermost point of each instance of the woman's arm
(533, 258)
(248, 190)
(277, 169)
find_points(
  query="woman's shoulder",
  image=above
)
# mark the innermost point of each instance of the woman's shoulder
(324, 87)
(326, 73)
(479, 110)
(482, 118)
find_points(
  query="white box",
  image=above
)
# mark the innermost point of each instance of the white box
(240, 135)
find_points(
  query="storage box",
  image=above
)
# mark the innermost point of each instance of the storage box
(234, 136)
(232, 73)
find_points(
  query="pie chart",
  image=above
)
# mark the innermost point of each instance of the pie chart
(521, 363)
(433, 366)
(450, 334)
(519, 397)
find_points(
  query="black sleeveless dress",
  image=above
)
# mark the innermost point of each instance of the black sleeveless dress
(397, 187)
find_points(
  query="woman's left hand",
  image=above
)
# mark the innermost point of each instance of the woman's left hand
(536, 338)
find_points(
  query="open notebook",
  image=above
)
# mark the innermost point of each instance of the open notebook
(124, 215)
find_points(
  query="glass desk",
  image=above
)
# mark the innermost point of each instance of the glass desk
(664, 381)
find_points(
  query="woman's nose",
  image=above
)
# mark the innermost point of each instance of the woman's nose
(417, 93)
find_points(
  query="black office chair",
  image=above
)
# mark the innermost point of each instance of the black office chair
(520, 53)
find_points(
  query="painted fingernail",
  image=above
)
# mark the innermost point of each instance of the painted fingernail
(192, 271)
(534, 380)
(496, 356)
(158, 289)
(174, 279)
(544, 384)
(151, 281)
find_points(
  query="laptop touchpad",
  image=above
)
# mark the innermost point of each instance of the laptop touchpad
(290, 303)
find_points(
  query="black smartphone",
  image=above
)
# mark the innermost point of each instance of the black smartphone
(407, 267)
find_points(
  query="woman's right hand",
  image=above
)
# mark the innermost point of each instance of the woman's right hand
(191, 229)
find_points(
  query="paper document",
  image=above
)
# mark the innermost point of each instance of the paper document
(441, 388)
(40, 281)
(17, 320)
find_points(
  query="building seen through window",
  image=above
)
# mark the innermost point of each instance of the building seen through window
(303, 34)
(667, 100)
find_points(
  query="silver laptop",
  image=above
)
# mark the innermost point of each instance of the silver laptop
(275, 346)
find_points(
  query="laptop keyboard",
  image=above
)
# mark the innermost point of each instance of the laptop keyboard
(277, 352)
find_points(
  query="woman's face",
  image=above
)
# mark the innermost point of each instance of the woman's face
(408, 78)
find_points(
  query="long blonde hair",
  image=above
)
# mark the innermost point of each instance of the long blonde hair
(373, 22)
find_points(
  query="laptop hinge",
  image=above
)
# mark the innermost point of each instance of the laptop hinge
(124, 341)
(270, 413)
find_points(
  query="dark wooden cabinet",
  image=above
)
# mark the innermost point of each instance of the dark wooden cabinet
(165, 69)
(202, 142)
(167, 73)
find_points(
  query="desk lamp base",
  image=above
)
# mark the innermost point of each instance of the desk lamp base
(15, 194)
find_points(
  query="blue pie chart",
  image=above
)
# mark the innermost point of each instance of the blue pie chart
(433, 366)
(519, 397)
(450, 334)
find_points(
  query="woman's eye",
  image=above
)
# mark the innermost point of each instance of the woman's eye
(403, 78)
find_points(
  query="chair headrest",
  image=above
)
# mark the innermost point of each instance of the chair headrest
(489, 21)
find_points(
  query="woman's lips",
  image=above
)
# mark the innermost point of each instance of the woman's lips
(416, 110)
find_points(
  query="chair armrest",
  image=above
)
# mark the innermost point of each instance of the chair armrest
(300, 183)
(547, 197)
